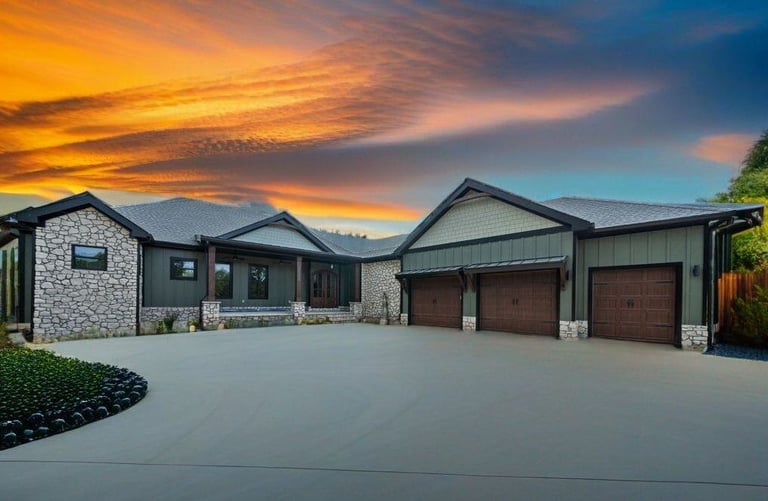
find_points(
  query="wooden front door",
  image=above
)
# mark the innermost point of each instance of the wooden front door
(634, 304)
(523, 302)
(325, 289)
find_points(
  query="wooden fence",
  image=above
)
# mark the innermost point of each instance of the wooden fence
(733, 285)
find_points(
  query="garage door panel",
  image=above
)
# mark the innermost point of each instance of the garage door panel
(520, 302)
(436, 302)
(639, 304)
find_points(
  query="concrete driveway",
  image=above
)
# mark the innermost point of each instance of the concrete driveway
(369, 412)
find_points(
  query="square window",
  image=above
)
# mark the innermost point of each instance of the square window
(183, 268)
(258, 281)
(86, 257)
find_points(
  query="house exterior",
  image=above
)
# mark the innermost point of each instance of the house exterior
(484, 259)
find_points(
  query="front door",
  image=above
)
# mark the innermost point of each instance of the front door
(325, 289)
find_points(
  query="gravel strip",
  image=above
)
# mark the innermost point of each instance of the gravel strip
(733, 351)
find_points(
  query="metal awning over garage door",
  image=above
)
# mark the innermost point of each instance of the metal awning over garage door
(636, 304)
(523, 302)
(436, 301)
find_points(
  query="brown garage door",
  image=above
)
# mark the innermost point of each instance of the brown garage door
(634, 304)
(521, 302)
(436, 302)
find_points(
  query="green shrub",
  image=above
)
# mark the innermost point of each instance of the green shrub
(751, 319)
(168, 320)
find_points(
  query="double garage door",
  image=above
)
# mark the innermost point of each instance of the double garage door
(520, 302)
(636, 304)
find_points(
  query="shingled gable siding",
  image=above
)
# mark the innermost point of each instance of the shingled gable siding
(378, 279)
(548, 245)
(74, 303)
(678, 245)
(481, 218)
(278, 236)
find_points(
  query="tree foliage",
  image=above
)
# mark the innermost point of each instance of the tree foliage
(750, 248)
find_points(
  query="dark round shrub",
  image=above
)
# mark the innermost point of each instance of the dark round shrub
(134, 396)
(77, 419)
(88, 414)
(101, 412)
(28, 434)
(36, 419)
(42, 432)
(9, 439)
(116, 408)
(58, 425)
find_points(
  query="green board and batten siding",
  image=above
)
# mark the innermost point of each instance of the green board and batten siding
(160, 290)
(678, 245)
(546, 245)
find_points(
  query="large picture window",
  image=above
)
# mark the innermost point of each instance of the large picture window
(86, 257)
(183, 268)
(223, 276)
(258, 281)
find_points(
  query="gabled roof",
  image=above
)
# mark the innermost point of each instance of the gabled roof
(360, 247)
(282, 217)
(178, 220)
(613, 215)
(471, 185)
(36, 216)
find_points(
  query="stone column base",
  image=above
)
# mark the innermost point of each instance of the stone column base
(299, 309)
(694, 337)
(576, 329)
(211, 314)
(469, 324)
(403, 319)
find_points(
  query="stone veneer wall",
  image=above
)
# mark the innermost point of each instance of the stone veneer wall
(694, 337)
(376, 279)
(577, 329)
(71, 303)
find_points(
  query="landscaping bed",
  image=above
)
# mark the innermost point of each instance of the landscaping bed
(42, 394)
(734, 351)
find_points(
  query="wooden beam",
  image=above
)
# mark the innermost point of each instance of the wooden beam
(299, 287)
(356, 295)
(211, 261)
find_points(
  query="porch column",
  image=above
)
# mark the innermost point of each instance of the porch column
(356, 281)
(211, 256)
(299, 286)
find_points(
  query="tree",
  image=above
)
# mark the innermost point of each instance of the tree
(750, 248)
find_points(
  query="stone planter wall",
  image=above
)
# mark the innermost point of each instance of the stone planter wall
(376, 279)
(694, 337)
(576, 329)
(151, 316)
(72, 303)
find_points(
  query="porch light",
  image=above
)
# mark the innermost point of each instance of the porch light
(695, 270)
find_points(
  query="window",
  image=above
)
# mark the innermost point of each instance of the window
(258, 281)
(85, 257)
(183, 268)
(223, 276)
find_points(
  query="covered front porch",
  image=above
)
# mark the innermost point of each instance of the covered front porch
(254, 283)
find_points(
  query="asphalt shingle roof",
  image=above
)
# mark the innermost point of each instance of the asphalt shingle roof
(178, 220)
(616, 213)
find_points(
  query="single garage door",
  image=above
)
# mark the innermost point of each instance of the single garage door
(521, 302)
(436, 301)
(634, 304)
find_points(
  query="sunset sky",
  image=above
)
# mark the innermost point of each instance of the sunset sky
(361, 116)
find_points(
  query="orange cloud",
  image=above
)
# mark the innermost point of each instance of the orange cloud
(728, 149)
(467, 114)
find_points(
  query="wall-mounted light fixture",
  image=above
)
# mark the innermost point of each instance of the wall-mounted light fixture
(696, 270)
